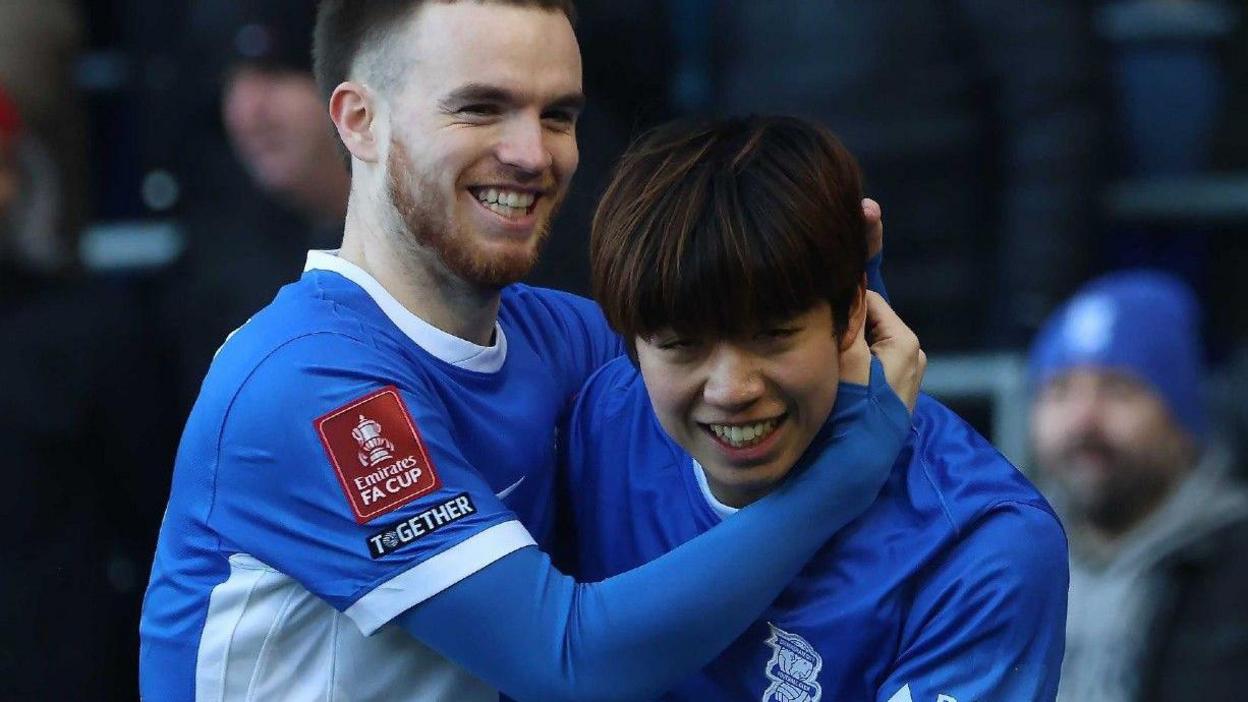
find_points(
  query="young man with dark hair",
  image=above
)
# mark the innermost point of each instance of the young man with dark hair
(950, 587)
(361, 485)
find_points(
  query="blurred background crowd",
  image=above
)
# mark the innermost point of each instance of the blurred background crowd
(164, 167)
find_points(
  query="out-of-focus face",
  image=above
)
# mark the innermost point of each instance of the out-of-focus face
(483, 133)
(279, 128)
(1110, 444)
(745, 409)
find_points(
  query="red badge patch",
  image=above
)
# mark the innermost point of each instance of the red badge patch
(378, 454)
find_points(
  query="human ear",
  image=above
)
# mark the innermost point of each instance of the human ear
(352, 109)
(857, 318)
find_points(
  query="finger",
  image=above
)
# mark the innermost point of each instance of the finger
(883, 323)
(897, 348)
(875, 226)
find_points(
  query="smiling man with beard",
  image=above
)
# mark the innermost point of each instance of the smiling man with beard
(368, 469)
(1159, 534)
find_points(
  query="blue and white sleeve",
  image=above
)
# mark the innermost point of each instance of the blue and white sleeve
(989, 623)
(337, 473)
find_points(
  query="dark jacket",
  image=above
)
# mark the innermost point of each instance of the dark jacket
(87, 454)
(1198, 643)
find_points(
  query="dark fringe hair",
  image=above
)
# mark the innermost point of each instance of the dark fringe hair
(719, 228)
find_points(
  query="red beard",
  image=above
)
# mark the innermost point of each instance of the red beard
(430, 227)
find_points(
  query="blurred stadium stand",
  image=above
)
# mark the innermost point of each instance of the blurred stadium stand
(1171, 190)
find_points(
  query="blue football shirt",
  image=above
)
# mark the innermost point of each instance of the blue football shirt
(950, 588)
(344, 462)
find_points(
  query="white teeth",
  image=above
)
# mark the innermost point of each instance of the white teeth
(504, 210)
(507, 198)
(747, 435)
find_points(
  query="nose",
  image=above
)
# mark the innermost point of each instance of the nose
(523, 144)
(734, 379)
(1083, 409)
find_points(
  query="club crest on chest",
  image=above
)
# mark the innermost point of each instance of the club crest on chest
(793, 669)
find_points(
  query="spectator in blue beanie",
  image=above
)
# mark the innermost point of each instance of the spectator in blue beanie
(1158, 532)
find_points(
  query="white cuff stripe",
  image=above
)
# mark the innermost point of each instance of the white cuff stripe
(429, 577)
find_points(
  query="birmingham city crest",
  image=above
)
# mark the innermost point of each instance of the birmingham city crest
(793, 668)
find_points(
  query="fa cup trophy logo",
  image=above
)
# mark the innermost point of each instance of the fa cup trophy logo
(374, 448)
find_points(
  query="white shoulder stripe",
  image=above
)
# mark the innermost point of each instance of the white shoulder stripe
(428, 578)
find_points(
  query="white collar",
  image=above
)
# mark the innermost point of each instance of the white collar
(721, 509)
(447, 347)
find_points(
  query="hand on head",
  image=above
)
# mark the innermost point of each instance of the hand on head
(897, 347)
(893, 343)
(884, 334)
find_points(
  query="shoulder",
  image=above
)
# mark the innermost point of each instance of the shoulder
(303, 353)
(964, 474)
(612, 429)
(610, 394)
(301, 309)
(529, 295)
(567, 330)
(1218, 562)
(1007, 572)
(1004, 542)
(524, 302)
(1017, 544)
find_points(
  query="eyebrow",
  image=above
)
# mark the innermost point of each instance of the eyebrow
(480, 92)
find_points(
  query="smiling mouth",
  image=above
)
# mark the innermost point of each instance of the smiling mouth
(507, 202)
(740, 436)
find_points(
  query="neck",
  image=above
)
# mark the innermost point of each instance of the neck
(379, 244)
(735, 497)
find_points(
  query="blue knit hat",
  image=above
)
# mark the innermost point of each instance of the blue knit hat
(1143, 323)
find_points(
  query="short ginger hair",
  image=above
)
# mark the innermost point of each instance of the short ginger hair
(347, 29)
